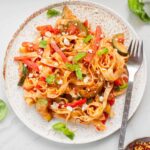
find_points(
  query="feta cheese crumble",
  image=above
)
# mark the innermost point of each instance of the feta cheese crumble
(90, 51)
(101, 98)
(86, 79)
(54, 105)
(66, 42)
(69, 108)
(84, 107)
(60, 82)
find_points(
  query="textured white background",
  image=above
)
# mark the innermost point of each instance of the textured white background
(13, 134)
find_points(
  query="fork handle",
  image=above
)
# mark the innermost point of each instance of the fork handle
(125, 116)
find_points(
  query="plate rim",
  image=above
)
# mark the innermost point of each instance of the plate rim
(35, 14)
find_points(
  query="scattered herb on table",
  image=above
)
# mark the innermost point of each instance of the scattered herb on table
(3, 110)
(139, 7)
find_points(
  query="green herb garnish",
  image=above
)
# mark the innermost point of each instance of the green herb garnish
(52, 13)
(3, 110)
(121, 87)
(79, 73)
(24, 74)
(88, 38)
(79, 56)
(72, 67)
(61, 127)
(76, 68)
(50, 79)
(102, 52)
(137, 7)
(43, 44)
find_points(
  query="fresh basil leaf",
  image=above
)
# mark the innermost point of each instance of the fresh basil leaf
(88, 38)
(43, 44)
(102, 52)
(79, 73)
(138, 8)
(50, 79)
(52, 13)
(61, 127)
(3, 110)
(79, 56)
(68, 133)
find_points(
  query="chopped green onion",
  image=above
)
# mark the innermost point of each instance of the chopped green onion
(52, 13)
(61, 127)
(24, 70)
(88, 38)
(79, 56)
(43, 44)
(72, 67)
(102, 52)
(24, 74)
(121, 87)
(124, 86)
(68, 133)
(50, 79)
(79, 73)
(3, 110)
(76, 68)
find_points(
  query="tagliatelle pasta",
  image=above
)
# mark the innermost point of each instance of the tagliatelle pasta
(72, 72)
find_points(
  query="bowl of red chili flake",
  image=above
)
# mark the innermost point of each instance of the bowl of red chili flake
(139, 144)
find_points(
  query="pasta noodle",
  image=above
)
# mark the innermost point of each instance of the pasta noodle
(72, 72)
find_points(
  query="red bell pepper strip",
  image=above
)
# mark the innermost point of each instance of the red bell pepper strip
(72, 29)
(77, 103)
(106, 117)
(30, 46)
(44, 29)
(31, 65)
(56, 31)
(121, 40)
(28, 62)
(59, 51)
(22, 58)
(111, 99)
(120, 81)
(86, 23)
(95, 44)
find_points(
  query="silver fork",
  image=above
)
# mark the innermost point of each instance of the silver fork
(136, 57)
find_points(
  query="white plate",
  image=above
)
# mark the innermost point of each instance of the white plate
(97, 14)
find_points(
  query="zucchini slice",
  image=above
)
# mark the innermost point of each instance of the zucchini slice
(122, 50)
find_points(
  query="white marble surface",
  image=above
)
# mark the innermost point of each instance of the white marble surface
(13, 133)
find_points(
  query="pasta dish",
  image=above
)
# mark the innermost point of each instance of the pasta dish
(73, 72)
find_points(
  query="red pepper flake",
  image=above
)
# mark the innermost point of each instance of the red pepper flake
(77, 103)
(106, 117)
(42, 78)
(111, 102)
(121, 40)
(86, 23)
